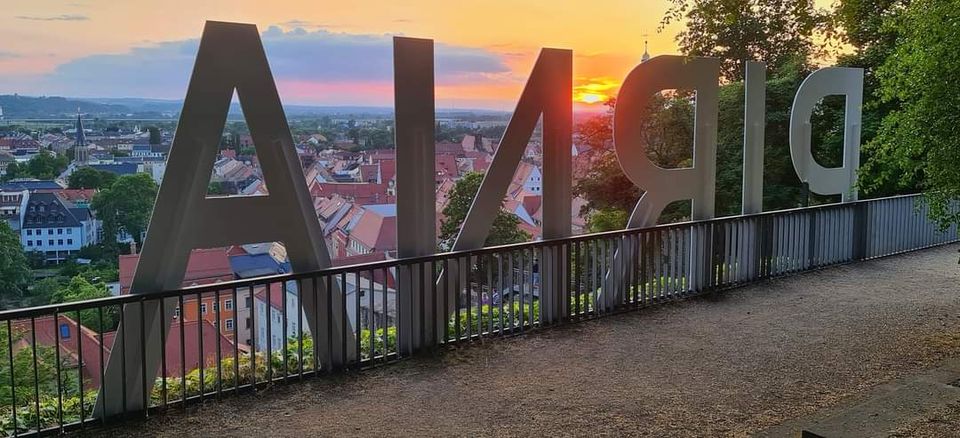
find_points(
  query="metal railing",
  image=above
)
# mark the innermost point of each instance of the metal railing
(244, 335)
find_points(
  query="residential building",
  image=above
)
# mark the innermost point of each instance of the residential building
(205, 266)
(56, 228)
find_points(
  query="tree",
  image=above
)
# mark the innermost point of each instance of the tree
(90, 178)
(47, 165)
(607, 219)
(42, 291)
(919, 137)
(155, 136)
(79, 289)
(25, 375)
(505, 227)
(126, 206)
(44, 165)
(772, 31)
(14, 270)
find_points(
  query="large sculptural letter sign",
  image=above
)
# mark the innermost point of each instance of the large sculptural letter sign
(230, 57)
(663, 186)
(825, 82)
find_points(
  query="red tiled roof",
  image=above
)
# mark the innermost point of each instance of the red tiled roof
(74, 195)
(375, 231)
(191, 345)
(449, 148)
(369, 172)
(532, 203)
(447, 165)
(361, 193)
(47, 334)
(204, 267)
(388, 169)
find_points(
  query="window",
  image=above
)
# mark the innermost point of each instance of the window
(69, 230)
(249, 302)
(69, 241)
(59, 241)
(203, 308)
(229, 324)
(59, 230)
(247, 324)
(49, 231)
(50, 242)
(216, 306)
(228, 304)
(64, 331)
(176, 312)
(29, 243)
(29, 232)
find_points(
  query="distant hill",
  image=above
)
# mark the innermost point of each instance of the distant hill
(16, 106)
(28, 107)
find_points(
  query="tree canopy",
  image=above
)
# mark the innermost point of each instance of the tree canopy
(90, 178)
(917, 140)
(126, 206)
(736, 31)
(14, 270)
(45, 165)
(505, 227)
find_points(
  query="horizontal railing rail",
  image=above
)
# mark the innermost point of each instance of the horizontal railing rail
(242, 335)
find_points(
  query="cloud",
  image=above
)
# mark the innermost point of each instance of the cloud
(8, 55)
(296, 56)
(62, 17)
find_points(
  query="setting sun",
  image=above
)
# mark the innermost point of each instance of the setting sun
(592, 98)
(594, 90)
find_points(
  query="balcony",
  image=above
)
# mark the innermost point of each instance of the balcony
(646, 358)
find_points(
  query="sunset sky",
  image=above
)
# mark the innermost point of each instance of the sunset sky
(323, 52)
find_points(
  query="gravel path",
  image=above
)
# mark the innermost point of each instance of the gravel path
(728, 365)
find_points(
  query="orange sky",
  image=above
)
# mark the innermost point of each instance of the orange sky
(38, 37)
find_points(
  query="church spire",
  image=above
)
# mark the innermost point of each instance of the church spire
(80, 143)
(646, 54)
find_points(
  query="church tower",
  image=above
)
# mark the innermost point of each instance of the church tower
(646, 54)
(80, 151)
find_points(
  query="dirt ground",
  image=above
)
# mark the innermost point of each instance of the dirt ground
(727, 365)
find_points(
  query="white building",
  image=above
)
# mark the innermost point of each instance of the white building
(56, 228)
(277, 336)
(274, 323)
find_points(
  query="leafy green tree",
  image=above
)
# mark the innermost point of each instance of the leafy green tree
(920, 136)
(42, 291)
(219, 188)
(14, 270)
(606, 187)
(772, 31)
(79, 289)
(862, 25)
(505, 227)
(126, 206)
(90, 178)
(24, 379)
(14, 170)
(155, 137)
(46, 165)
(607, 219)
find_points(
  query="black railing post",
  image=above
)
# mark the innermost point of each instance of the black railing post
(860, 230)
(811, 238)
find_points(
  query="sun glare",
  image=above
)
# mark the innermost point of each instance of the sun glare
(594, 90)
(592, 98)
